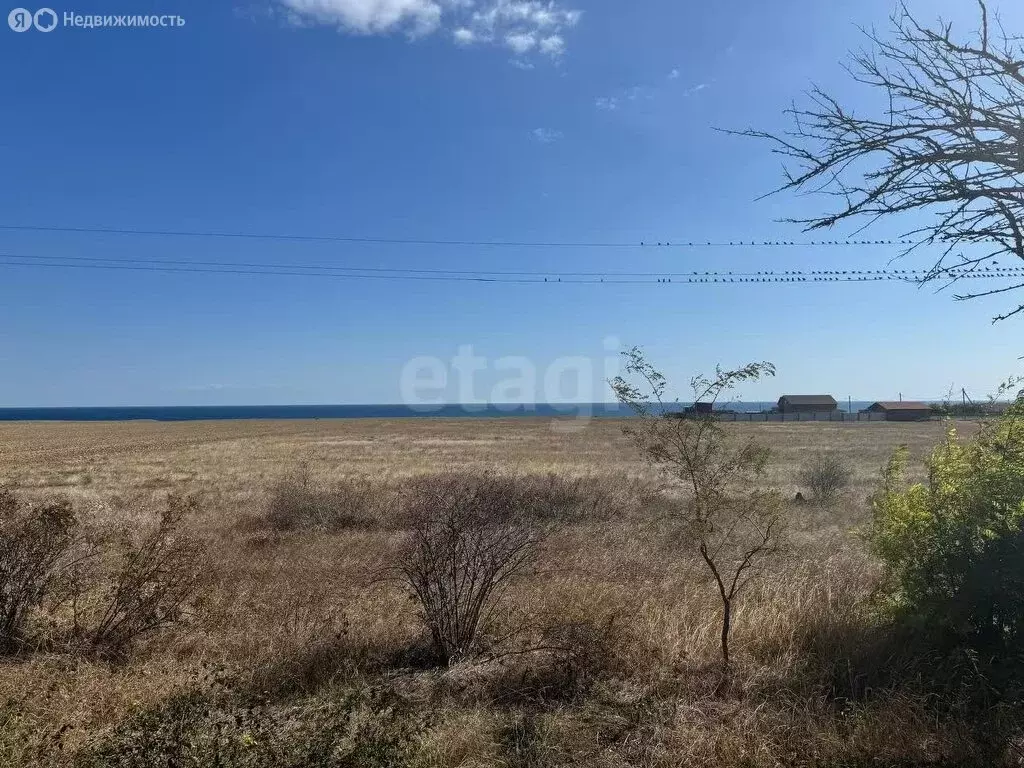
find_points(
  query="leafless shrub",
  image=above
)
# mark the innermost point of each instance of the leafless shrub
(568, 659)
(297, 502)
(560, 499)
(735, 524)
(141, 583)
(470, 536)
(35, 545)
(585, 646)
(826, 476)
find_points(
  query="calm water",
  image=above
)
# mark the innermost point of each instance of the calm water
(211, 412)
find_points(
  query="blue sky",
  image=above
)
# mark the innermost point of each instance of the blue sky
(585, 120)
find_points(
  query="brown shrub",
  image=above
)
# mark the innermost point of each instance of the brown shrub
(826, 476)
(297, 502)
(470, 536)
(35, 542)
(147, 584)
(558, 498)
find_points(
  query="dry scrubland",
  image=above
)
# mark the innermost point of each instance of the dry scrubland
(298, 639)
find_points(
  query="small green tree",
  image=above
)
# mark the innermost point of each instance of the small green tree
(953, 546)
(735, 523)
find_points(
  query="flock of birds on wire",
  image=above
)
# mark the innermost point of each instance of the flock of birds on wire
(963, 271)
(769, 243)
(852, 275)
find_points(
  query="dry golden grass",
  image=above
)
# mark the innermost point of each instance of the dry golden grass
(296, 614)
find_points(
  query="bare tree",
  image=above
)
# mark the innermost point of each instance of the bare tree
(734, 524)
(951, 142)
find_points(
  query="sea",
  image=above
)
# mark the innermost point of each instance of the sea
(453, 411)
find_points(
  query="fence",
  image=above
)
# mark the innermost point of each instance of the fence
(823, 416)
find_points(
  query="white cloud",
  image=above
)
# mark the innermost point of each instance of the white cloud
(622, 97)
(369, 17)
(521, 42)
(640, 93)
(531, 14)
(546, 135)
(206, 387)
(553, 45)
(522, 26)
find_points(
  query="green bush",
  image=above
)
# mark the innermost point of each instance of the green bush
(953, 546)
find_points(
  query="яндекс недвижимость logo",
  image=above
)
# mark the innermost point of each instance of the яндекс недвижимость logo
(47, 20)
(22, 19)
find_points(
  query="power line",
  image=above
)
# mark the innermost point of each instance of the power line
(792, 276)
(681, 243)
(476, 272)
(154, 268)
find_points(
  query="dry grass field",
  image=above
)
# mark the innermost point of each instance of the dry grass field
(297, 635)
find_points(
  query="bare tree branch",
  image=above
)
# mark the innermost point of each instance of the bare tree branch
(951, 141)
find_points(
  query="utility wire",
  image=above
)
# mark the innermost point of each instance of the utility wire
(10, 260)
(6, 262)
(456, 242)
(327, 268)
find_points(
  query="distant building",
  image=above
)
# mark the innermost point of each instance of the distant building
(807, 404)
(907, 410)
(699, 409)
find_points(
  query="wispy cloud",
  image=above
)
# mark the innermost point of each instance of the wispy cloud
(464, 36)
(552, 45)
(522, 26)
(635, 93)
(206, 387)
(521, 42)
(367, 17)
(546, 135)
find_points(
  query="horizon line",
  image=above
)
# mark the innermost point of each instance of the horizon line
(439, 406)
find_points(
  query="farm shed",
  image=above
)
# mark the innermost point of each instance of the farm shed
(807, 404)
(697, 409)
(902, 411)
